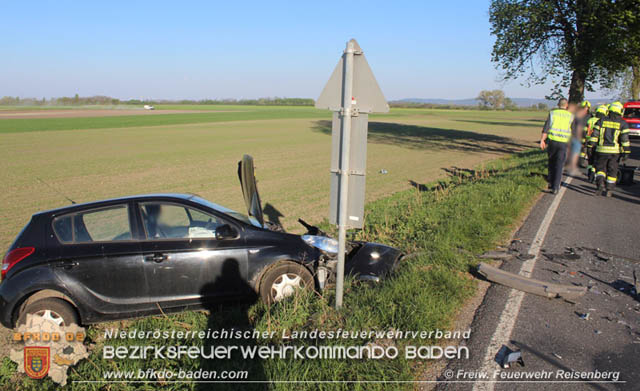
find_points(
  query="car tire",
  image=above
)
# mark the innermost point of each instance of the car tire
(56, 310)
(282, 280)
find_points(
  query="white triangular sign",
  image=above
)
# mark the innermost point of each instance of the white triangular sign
(367, 96)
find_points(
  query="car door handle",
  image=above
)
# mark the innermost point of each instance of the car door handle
(157, 258)
(67, 264)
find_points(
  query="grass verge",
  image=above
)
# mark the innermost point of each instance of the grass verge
(444, 223)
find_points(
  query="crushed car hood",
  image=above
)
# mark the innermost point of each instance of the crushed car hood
(250, 188)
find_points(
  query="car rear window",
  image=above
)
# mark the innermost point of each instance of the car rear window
(96, 225)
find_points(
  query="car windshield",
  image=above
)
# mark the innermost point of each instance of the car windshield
(236, 215)
(632, 113)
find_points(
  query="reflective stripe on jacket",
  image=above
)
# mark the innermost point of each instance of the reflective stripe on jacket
(611, 136)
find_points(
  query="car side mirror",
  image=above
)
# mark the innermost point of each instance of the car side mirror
(225, 231)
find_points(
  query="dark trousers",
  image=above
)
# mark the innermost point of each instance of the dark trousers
(557, 155)
(606, 170)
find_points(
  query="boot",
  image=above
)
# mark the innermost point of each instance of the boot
(599, 189)
(607, 193)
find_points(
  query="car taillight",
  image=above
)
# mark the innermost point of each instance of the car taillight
(14, 256)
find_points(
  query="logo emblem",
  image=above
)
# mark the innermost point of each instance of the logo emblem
(36, 361)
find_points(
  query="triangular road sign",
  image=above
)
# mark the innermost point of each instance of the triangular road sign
(366, 97)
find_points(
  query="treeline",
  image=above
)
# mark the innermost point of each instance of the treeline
(62, 101)
(106, 100)
(253, 102)
(508, 107)
(444, 106)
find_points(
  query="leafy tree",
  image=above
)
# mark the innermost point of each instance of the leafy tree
(491, 99)
(509, 104)
(557, 39)
(621, 65)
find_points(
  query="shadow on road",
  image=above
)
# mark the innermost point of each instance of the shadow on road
(526, 349)
(624, 362)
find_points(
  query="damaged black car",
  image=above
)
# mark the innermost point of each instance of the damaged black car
(149, 254)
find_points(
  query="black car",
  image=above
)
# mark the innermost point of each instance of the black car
(143, 255)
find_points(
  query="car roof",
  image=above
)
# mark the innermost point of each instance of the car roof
(111, 201)
(632, 104)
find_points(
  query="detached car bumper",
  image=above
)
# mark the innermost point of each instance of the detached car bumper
(372, 261)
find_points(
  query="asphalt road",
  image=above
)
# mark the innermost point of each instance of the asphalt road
(550, 333)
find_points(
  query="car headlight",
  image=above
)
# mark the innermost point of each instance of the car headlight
(323, 243)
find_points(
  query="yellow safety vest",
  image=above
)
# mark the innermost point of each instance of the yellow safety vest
(560, 121)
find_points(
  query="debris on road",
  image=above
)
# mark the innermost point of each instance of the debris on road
(530, 285)
(568, 256)
(559, 357)
(502, 255)
(513, 358)
(584, 316)
(507, 357)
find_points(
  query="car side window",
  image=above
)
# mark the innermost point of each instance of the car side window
(96, 225)
(173, 221)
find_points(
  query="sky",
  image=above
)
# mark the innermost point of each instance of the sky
(245, 49)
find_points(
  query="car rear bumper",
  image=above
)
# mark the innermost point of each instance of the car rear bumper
(634, 127)
(373, 262)
(634, 132)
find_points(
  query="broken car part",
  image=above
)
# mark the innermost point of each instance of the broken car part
(530, 285)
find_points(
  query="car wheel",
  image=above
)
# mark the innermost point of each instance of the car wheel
(55, 310)
(283, 280)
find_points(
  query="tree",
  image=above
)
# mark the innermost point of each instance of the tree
(509, 104)
(560, 39)
(491, 99)
(619, 85)
(621, 66)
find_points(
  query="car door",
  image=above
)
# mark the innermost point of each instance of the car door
(185, 264)
(100, 259)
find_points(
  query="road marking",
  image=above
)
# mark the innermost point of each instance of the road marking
(510, 313)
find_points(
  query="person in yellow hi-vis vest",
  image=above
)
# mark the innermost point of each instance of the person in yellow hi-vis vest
(556, 134)
(610, 139)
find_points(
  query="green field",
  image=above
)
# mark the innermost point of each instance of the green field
(98, 157)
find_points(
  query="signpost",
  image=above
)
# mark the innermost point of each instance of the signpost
(352, 92)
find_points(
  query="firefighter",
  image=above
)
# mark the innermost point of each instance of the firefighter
(610, 138)
(557, 131)
(601, 112)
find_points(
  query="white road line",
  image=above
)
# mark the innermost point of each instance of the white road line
(502, 335)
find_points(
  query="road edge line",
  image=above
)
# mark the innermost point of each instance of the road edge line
(509, 315)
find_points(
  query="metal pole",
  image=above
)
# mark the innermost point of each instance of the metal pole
(344, 168)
